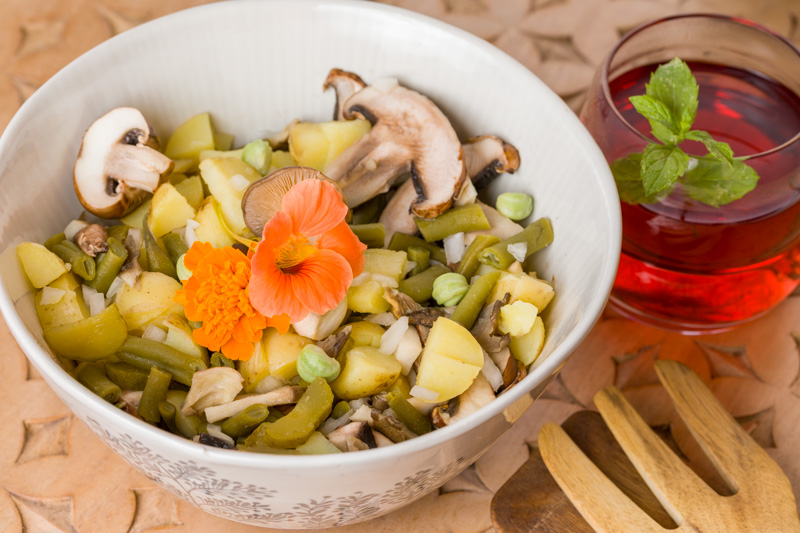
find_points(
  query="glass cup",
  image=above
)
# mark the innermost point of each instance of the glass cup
(687, 266)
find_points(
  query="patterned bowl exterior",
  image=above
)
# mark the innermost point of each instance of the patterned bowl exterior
(255, 65)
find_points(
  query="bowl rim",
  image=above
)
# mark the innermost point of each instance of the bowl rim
(188, 449)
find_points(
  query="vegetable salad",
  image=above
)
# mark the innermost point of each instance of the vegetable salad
(336, 287)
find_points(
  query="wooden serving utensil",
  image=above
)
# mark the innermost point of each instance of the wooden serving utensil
(634, 482)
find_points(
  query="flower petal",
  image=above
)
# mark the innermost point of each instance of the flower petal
(344, 242)
(314, 206)
(320, 282)
(237, 350)
(280, 322)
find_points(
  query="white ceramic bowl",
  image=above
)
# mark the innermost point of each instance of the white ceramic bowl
(256, 65)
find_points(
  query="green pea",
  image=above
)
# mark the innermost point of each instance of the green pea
(515, 205)
(313, 362)
(183, 272)
(449, 289)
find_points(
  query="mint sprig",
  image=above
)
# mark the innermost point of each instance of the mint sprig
(670, 106)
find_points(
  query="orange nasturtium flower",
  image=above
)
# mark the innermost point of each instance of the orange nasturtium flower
(308, 255)
(217, 295)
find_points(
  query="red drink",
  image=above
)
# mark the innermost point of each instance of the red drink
(695, 267)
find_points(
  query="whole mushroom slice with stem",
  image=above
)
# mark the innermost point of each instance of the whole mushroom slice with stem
(345, 84)
(118, 164)
(485, 158)
(409, 135)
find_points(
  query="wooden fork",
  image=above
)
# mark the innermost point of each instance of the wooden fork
(762, 500)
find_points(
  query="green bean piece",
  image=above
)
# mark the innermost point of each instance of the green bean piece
(94, 379)
(58, 238)
(145, 353)
(155, 392)
(126, 376)
(175, 246)
(118, 231)
(420, 287)
(370, 210)
(108, 265)
(420, 256)
(167, 412)
(245, 422)
(90, 339)
(217, 359)
(295, 428)
(537, 235)
(157, 259)
(373, 234)
(401, 242)
(274, 415)
(82, 264)
(470, 262)
(470, 306)
(408, 414)
(188, 426)
(456, 220)
(340, 409)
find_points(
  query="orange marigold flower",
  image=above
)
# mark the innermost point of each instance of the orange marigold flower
(308, 255)
(216, 294)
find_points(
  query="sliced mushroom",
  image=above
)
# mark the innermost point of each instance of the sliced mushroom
(280, 140)
(485, 328)
(507, 365)
(389, 426)
(92, 239)
(479, 394)
(117, 165)
(440, 415)
(345, 436)
(211, 387)
(428, 315)
(264, 197)
(521, 373)
(333, 344)
(282, 396)
(485, 157)
(402, 304)
(345, 84)
(131, 269)
(409, 135)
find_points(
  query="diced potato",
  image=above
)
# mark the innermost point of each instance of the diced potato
(217, 174)
(70, 308)
(223, 141)
(366, 371)
(281, 352)
(364, 333)
(213, 154)
(254, 369)
(40, 264)
(179, 336)
(135, 218)
(523, 287)
(184, 166)
(517, 318)
(149, 300)
(190, 138)
(211, 229)
(176, 177)
(367, 298)
(192, 190)
(280, 159)
(388, 263)
(315, 145)
(453, 340)
(528, 347)
(169, 210)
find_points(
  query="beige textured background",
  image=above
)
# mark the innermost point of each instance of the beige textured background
(55, 476)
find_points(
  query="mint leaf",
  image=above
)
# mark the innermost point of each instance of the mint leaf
(675, 86)
(661, 167)
(627, 175)
(660, 117)
(717, 149)
(718, 183)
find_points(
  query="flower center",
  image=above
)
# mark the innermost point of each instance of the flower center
(294, 252)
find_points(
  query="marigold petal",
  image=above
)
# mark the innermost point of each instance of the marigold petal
(314, 206)
(344, 242)
(237, 350)
(196, 254)
(320, 282)
(280, 322)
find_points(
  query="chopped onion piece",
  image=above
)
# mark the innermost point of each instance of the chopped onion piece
(424, 394)
(362, 414)
(355, 404)
(361, 279)
(269, 383)
(410, 265)
(468, 194)
(422, 406)
(382, 319)
(335, 423)
(408, 349)
(97, 302)
(136, 235)
(87, 292)
(491, 372)
(386, 281)
(116, 285)
(519, 250)
(239, 182)
(131, 397)
(74, 227)
(154, 333)
(454, 247)
(392, 337)
(216, 431)
(51, 295)
(190, 235)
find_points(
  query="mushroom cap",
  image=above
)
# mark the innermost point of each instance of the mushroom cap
(119, 139)
(263, 198)
(487, 156)
(345, 84)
